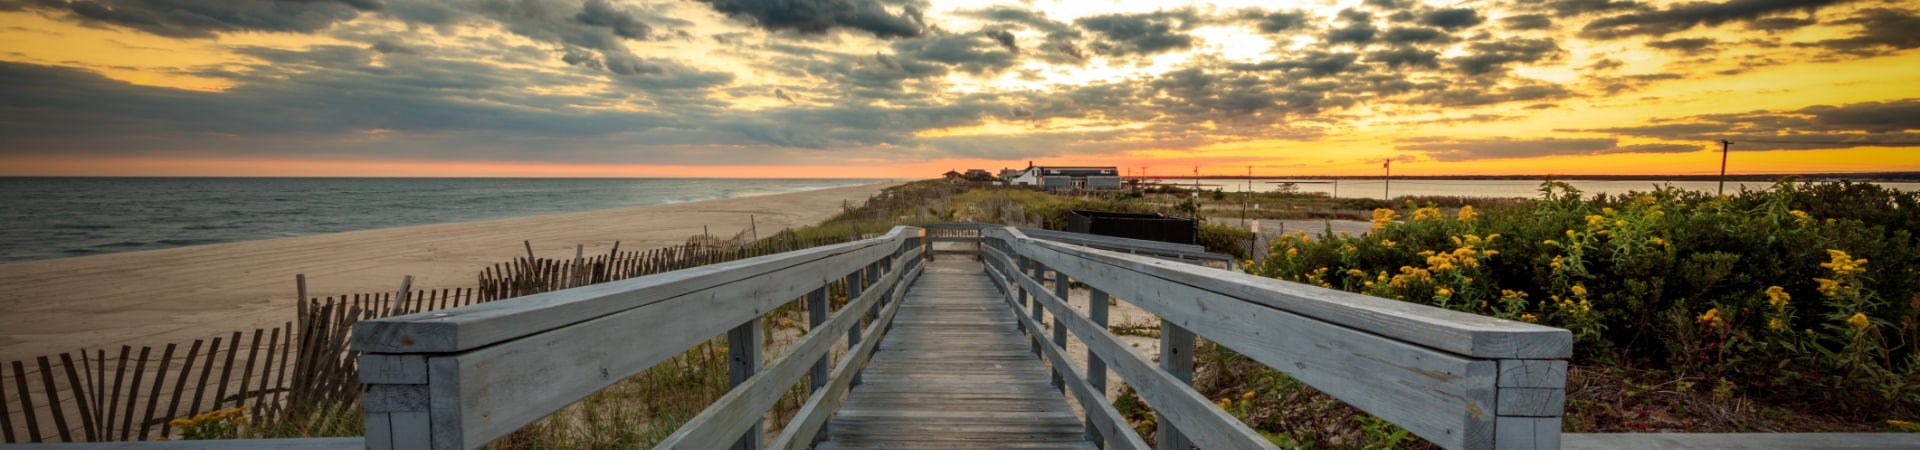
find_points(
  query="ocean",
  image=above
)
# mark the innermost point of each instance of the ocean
(44, 218)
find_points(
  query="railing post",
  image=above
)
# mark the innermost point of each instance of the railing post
(1176, 357)
(853, 334)
(1096, 368)
(395, 402)
(1020, 294)
(1532, 396)
(817, 313)
(1061, 290)
(743, 360)
(1039, 274)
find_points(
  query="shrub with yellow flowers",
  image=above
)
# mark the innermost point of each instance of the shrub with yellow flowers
(1684, 280)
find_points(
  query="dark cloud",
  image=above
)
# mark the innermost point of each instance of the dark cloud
(1779, 23)
(1576, 7)
(1680, 17)
(782, 95)
(1005, 38)
(1492, 57)
(1888, 124)
(1690, 46)
(1359, 29)
(204, 19)
(819, 16)
(1311, 64)
(1504, 148)
(393, 47)
(1025, 17)
(1452, 19)
(972, 53)
(1415, 36)
(1274, 22)
(1144, 33)
(1881, 31)
(1527, 22)
(600, 13)
(1467, 96)
(1405, 56)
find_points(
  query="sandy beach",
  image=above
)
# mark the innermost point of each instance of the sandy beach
(180, 294)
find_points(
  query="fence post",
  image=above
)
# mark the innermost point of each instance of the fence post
(817, 313)
(743, 360)
(1176, 357)
(1062, 289)
(1096, 368)
(853, 334)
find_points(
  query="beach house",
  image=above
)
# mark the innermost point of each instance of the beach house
(1067, 177)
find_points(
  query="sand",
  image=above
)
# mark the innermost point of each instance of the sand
(180, 294)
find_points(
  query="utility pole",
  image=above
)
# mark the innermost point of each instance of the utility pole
(1389, 179)
(1725, 147)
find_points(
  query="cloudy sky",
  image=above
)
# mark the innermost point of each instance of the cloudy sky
(911, 88)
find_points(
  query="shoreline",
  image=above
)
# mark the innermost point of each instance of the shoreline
(179, 294)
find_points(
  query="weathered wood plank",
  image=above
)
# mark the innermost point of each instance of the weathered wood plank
(954, 372)
(1206, 424)
(1101, 415)
(811, 420)
(483, 324)
(741, 408)
(1445, 398)
(1738, 441)
(1452, 331)
(346, 443)
(508, 385)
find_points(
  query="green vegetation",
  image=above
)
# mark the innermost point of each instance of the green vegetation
(1790, 308)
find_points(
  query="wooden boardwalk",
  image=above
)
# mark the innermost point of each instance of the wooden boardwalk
(955, 372)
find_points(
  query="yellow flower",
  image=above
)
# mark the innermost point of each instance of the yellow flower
(1569, 233)
(1777, 296)
(1223, 402)
(1442, 292)
(1467, 213)
(1619, 223)
(1859, 320)
(1387, 244)
(1246, 396)
(1709, 318)
(1579, 291)
(1382, 217)
(1356, 273)
(1549, 242)
(1830, 288)
(1292, 252)
(1595, 221)
(1776, 323)
(1529, 318)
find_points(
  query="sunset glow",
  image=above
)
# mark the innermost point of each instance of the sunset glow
(913, 88)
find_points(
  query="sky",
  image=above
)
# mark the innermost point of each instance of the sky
(913, 88)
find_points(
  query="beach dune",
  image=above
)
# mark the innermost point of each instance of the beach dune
(181, 294)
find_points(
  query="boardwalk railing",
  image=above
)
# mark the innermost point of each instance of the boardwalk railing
(463, 377)
(1456, 379)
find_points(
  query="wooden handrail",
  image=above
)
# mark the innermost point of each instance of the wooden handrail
(463, 377)
(1456, 379)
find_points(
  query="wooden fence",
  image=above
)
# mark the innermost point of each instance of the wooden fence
(530, 275)
(131, 394)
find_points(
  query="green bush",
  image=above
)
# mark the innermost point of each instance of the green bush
(1226, 239)
(1802, 292)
